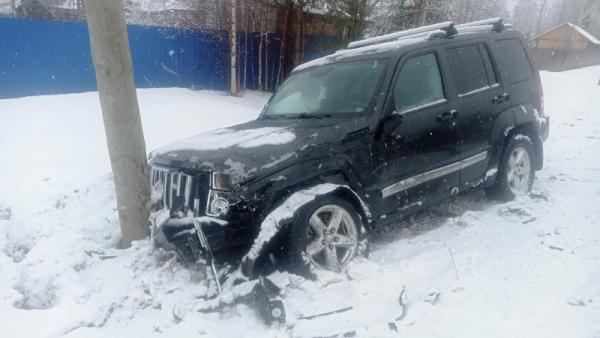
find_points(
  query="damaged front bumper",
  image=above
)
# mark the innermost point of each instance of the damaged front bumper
(182, 236)
(193, 239)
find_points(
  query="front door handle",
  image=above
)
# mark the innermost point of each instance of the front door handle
(447, 116)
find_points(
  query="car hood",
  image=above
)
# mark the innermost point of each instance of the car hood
(256, 148)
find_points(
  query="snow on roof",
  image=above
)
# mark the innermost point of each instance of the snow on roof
(379, 48)
(585, 33)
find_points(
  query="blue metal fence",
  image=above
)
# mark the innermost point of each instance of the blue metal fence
(50, 57)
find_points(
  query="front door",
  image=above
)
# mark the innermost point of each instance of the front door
(420, 142)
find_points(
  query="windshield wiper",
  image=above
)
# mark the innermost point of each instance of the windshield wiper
(298, 116)
(274, 116)
(312, 116)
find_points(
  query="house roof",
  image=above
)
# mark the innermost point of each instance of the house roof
(578, 29)
(585, 33)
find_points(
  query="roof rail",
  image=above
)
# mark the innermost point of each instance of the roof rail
(496, 23)
(437, 30)
(447, 26)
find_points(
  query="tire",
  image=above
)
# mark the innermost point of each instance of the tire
(516, 170)
(312, 244)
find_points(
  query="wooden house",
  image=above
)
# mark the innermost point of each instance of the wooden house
(566, 46)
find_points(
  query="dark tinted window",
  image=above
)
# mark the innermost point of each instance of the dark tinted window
(419, 83)
(468, 69)
(513, 61)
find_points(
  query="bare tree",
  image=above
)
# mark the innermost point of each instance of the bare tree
(538, 27)
(120, 112)
(261, 11)
(247, 30)
(420, 12)
(284, 37)
(233, 86)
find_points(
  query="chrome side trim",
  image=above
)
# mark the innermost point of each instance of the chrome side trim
(432, 175)
(424, 106)
(469, 161)
(475, 91)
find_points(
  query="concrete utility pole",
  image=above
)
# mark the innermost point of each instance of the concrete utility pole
(121, 115)
(233, 88)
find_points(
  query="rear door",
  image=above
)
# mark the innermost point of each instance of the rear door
(480, 97)
(517, 72)
(418, 159)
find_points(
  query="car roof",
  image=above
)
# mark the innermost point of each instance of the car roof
(403, 45)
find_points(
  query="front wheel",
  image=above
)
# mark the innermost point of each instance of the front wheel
(326, 235)
(516, 170)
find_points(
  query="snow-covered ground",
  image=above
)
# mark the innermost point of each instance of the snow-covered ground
(469, 268)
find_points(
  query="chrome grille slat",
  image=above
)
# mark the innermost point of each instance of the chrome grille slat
(180, 191)
(189, 180)
(165, 182)
(172, 178)
(179, 177)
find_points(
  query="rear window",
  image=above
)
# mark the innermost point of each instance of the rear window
(513, 61)
(468, 69)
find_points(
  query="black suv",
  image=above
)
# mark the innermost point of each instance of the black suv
(386, 127)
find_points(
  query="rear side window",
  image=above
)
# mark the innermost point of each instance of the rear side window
(419, 84)
(513, 61)
(469, 68)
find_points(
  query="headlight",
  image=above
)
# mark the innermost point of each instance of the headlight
(219, 206)
(221, 182)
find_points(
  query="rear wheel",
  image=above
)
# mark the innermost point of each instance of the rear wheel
(516, 170)
(326, 235)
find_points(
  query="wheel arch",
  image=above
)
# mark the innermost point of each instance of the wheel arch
(278, 243)
(344, 191)
(517, 120)
(530, 129)
(349, 195)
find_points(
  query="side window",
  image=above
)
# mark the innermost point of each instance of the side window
(468, 69)
(513, 61)
(419, 83)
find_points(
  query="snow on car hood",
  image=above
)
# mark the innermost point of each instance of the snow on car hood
(246, 150)
(226, 138)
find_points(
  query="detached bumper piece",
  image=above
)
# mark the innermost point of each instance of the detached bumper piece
(182, 235)
(267, 302)
(192, 242)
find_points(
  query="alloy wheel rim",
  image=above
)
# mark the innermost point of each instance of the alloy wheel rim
(332, 238)
(518, 171)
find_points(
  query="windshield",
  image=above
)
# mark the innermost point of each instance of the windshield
(327, 91)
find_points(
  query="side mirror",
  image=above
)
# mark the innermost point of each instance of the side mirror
(392, 140)
(391, 122)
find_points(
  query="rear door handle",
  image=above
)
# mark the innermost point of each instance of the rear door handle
(447, 116)
(501, 98)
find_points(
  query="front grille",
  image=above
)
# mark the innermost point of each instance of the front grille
(180, 191)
